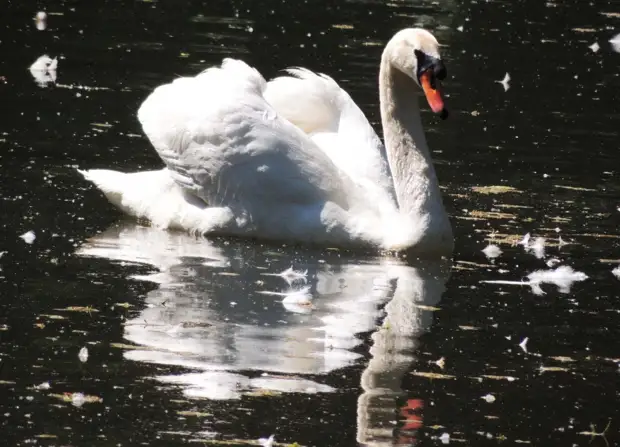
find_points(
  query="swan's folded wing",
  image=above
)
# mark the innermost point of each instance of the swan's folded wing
(320, 107)
(225, 144)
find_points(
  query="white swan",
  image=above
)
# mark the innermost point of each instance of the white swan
(294, 159)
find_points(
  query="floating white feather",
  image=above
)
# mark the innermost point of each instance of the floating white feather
(492, 251)
(267, 442)
(615, 43)
(563, 277)
(505, 82)
(291, 276)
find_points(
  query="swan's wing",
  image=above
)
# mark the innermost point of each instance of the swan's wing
(225, 144)
(320, 107)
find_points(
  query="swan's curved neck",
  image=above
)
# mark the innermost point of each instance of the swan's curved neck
(410, 160)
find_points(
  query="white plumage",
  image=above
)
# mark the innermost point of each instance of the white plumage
(294, 159)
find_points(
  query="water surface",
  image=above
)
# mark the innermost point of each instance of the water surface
(187, 341)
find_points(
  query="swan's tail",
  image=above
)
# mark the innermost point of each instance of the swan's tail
(138, 194)
(110, 183)
(155, 196)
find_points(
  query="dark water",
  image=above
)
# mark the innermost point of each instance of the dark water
(183, 345)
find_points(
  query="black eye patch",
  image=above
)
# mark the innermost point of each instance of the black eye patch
(426, 62)
(440, 70)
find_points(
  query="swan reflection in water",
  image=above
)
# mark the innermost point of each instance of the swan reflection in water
(209, 313)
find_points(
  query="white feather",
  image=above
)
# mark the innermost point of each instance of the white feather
(291, 276)
(615, 43)
(267, 442)
(492, 251)
(562, 277)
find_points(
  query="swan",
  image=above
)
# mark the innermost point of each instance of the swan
(294, 159)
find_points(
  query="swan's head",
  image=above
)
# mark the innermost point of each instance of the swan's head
(415, 52)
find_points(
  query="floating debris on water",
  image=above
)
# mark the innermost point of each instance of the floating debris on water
(291, 276)
(563, 277)
(505, 82)
(537, 247)
(563, 359)
(574, 188)
(197, 414)
(85, 309)
(492, 251)
(123, 305)
(492, 377)
(342, 26)
(441, 362)
(296, 300)
(615, 43)
(495, 189)
(267, 442)
(616, 272)
(430, 375)
(593, 433)
(523, 344)
(83, 355)
(86, 88)
(43, 70)
(445, 437)
(489, 398)
(469, 328)
(595, 47)
(553, 369)
(299, 301)
(78, 399)
(40, 20)
(486, 215)
(28, 237)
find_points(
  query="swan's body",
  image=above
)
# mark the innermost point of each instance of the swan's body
(291, 159)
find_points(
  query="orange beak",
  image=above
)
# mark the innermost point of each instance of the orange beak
(433, 96)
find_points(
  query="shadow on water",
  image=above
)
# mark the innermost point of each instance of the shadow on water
(183, 343)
